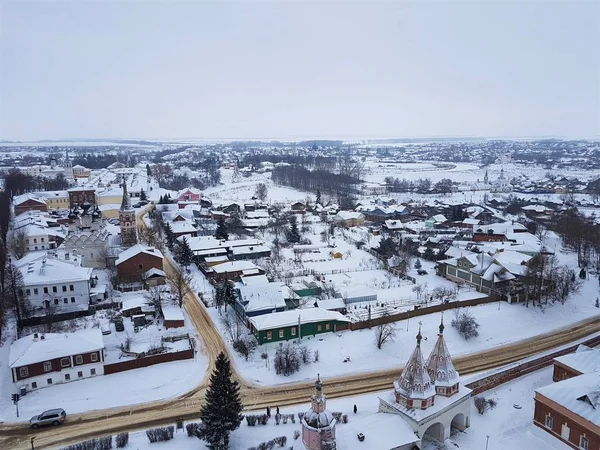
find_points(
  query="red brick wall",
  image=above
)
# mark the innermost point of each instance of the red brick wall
(147, 361)
(130, 271)
(563, 372)
(576, 429)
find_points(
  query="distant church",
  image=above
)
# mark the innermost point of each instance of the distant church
(127, 220)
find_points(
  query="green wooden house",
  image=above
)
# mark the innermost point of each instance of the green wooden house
(294, 324)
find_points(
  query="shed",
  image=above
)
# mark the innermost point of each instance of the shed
(173, 316)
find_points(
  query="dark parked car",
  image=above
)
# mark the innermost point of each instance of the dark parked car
(50, 417)
(422, 272)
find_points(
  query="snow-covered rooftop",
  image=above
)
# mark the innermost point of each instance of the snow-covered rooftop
(584, 360)
(289, 318)
(234, 266)
(30, 350)
(136, 250)
(172, 312)
(51, 270)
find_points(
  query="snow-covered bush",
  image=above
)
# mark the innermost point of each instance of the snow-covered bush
(122, 439)
(465, 324)
(160, 434)
(192, 428)
(281, 440)
(296, 434)
(482, 404)
(345, 418)
(305, 353)
(316, 356)
(103, 443)
(245, 346)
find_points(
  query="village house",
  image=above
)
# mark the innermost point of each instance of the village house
(80, 195)
(134, 262)
(172, 316)
(256, 296)
(567, 413)
(41, 360)
(349, 219)
(29, 202)
(295, 324)
(232, 271)
(48, 281)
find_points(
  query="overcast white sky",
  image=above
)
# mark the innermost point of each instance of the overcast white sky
(299, 69)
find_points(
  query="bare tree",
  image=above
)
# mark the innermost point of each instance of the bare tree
(17, 243)
(261, 192)
(179, 283)
(49, 312)
(386, 332)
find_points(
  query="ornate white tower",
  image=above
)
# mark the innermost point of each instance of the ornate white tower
(127, 219)
(68, 167)
(318, 424)
(414, 389)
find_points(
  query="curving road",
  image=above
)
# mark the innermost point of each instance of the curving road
(111, 421)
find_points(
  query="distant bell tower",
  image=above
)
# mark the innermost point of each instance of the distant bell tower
(127, 219)
(485, 178)
(318, 424)
(69, 175)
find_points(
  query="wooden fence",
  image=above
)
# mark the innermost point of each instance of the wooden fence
(421, 312)
(147, 361)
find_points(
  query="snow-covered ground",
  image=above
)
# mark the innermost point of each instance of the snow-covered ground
(506, 426)
(158, 382)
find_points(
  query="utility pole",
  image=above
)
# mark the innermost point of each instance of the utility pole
(487, 442)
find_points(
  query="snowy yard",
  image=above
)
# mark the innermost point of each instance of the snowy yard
(500, 323)
(161, 381)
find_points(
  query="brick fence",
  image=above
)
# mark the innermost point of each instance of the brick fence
(420, 312)
(148, 361)
(504, 376)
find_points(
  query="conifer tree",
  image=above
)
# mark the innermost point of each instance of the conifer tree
(169, 235)
(143, 196)
(186, 255)
(293, 235)
(221, 414)
(221, 232)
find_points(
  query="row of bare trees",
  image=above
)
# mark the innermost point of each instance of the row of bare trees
(580, 235)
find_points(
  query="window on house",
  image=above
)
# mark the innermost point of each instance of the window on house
(565, 431)
(49, 381)
(79, 359)
(65, 300)
(269, 335)
(584, 442)
(56, 301)
(54, 289)
(23, 372)
(47, 366)
(35, 241)
(294, 331)
(281, 333)
(92, 371)
(45, 290)
(94, 357)
(34, 385)
(319, 327)
(65, 362)
(549, 421)
(35, 291)
(36, 247)
(79, 374)
(140, 266)
(64, 288)
(71, 287)
(72, 299)
(42, 239)
(27, 292)
(327, 326)
(67, 377)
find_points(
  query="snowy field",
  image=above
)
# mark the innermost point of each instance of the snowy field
(158, 382)
(508, 428)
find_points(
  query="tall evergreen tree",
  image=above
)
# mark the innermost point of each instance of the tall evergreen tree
(318, 200)
(221, 414)
(143, 196)
(221, 232)
(169, 235)
(186, 255)
(293, 235)
(148, 170)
